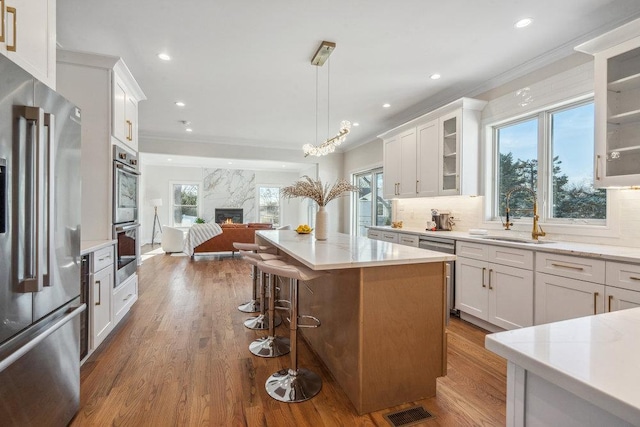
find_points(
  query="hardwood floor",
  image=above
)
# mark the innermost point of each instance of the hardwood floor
(181, 358)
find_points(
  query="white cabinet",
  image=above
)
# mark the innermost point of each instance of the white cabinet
(617, 105)
(489, 288)
(436, 154)
(124, 296)
(28, 36)
(102, 87)
(568, 287)
(391, 168)
(125, 111)
(623, 286)
(100, 314)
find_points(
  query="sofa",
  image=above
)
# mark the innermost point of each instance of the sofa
(244, 233)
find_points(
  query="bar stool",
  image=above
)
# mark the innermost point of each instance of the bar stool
(293, 384)
(260, 322)
(271, 345)
(252, 306)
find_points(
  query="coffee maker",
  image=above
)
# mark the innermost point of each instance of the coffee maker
(441, 221)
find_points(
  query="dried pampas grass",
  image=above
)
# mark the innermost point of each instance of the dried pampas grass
(314, 189)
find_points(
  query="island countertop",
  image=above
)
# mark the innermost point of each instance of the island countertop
(593, 357)
(341, 251)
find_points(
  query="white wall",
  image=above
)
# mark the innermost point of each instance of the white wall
(155, 184)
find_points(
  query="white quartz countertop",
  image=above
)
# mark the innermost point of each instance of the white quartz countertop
(346, 251)
(88, 246)
(610, 252)
(594, 357)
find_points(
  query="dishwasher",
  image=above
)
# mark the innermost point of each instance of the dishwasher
(448, 246)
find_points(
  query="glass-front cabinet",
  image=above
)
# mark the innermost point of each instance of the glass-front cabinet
(617, 106)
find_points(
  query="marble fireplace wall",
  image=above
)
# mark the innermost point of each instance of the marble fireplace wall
(229, 188)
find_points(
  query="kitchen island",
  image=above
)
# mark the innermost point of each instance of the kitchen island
(578, 372)
(382, 308)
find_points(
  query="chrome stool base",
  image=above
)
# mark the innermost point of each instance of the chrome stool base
(293, 386)
(270, 346)
(261, 322)
(252, 306)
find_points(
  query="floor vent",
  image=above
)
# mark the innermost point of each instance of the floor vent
(408, 417)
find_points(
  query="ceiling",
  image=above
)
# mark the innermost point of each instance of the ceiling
(243, 67)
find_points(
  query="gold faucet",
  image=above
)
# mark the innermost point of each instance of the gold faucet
(534, 233)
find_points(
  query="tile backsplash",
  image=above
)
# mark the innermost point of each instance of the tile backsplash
(623, 226)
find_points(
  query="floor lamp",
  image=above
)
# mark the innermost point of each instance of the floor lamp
(155, 203)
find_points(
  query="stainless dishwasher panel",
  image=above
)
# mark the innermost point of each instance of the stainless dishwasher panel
(448, 246)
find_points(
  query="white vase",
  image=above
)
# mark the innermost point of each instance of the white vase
(321, 223)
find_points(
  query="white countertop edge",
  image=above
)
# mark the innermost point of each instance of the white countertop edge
(616, 406)
(88, 246)
(423, 258)
(599, 251)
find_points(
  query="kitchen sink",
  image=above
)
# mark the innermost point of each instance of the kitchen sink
(516, 240)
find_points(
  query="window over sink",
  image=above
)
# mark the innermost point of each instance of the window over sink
(550, 152)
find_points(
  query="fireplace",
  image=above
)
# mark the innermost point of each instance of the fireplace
(226, 215)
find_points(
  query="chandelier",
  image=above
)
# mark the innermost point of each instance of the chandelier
(328, 146)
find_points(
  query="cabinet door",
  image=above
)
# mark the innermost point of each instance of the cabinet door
(471, 287)
(621, 299)
(120, 128)
(449, 167)
(391, 167)
(510, 296)
(101, 289)
(30, 37)
(131, 113)
(560, 298)
(408, 185)
(617, 115)
(427, 155)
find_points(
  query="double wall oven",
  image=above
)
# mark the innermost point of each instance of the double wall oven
(125, 212)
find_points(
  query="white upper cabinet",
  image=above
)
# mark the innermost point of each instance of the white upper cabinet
(435, 154)
(126, 95)
(617, 105)
(28, 36)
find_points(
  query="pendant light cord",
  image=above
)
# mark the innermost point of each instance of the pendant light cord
(316, 139)
(328, 94)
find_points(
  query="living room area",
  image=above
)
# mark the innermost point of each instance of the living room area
(227, 199)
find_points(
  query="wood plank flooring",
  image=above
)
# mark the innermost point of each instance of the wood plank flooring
(181, 358)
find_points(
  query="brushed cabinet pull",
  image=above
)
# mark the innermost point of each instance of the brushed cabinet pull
(129, 131)
(128, 296)
(572, 267)
(595, 302)
(598, 167)
(1, 21)
(12, 47)
(490, 271)
(417, 186)
(634, 278)
(99, 292)
(484, 270)
(610, 298)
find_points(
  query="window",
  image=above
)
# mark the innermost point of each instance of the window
(370, 207)
(269, 205)
(184, 203)
(552, 154)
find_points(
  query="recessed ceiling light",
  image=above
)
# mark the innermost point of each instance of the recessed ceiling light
(386, 105)
(435, 76)
(180, 103)
(356, 124)
(168, 160)
(164, 57)
(189, 130)
(284, 166)
(525, 22)
(229, 163)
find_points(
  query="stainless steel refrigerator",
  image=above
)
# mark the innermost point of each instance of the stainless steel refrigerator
(39, 252)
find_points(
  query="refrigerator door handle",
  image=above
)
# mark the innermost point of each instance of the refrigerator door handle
(33, 253)
(71, 313)
(48, 177)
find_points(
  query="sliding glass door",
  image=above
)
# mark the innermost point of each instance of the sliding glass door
(370, 208)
